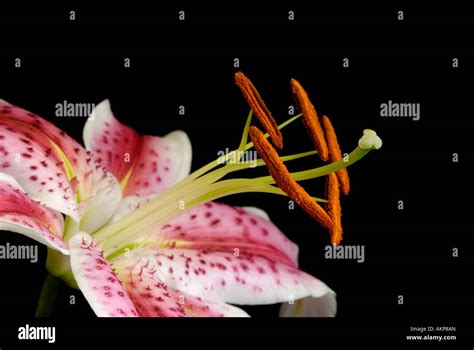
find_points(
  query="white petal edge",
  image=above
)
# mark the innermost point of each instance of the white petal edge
(28, 232)
(324, 306)
(180, 140)
(99, 113)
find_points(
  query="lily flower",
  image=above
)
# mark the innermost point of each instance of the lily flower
(128, 225)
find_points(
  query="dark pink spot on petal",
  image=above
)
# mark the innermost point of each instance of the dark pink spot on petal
(215, 222)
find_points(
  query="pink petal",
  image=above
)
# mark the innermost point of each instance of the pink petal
(155, 163)
(19, 213)
(228, 254)
(221, 276)
(97, 280)
(218, 226)
(55, 169)
(153, 298)
(141, 293)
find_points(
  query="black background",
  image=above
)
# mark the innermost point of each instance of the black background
(408, 252)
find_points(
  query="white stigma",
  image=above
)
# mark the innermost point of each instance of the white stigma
(370, 140)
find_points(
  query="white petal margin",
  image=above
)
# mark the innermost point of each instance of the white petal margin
(257, 211)
(19, 213)
(179, 140)
(324, 306)
(97, 280)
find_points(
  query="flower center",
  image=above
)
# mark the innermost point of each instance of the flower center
(207, 183)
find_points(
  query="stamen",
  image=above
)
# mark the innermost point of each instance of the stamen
(335, 154)
(334, 208)
(310, 119)
(283, 179)
(258, 106)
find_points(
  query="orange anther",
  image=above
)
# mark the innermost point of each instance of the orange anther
(283, 179)
(310, 119)
(335, 154)
(259, 108)
(334, 208)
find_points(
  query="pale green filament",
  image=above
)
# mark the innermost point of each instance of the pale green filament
(192, 181)
(245, 133)
(203, 186)
(198, 196)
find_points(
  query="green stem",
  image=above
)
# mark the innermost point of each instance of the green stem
(57, 263)
(48, 296)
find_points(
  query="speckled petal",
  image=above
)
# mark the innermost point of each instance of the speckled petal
(19, 213)
(219, 226)
(153, 298)
(224, 277)
(55, 169)
(145, 165)
(97, 280)
(228, 254)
